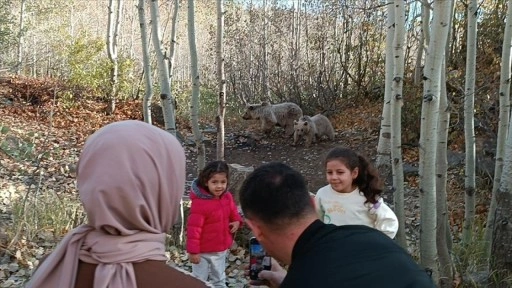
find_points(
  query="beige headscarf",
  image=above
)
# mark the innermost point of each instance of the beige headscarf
(130, 178)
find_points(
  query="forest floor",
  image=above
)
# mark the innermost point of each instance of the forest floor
(40, 141)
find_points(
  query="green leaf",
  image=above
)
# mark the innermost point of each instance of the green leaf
(4, 130)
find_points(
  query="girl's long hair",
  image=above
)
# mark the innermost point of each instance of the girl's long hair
(368, 180)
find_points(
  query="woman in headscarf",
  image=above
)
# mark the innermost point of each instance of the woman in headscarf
(130, 178)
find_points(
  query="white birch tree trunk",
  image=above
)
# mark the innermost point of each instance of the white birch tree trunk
(19, 65)
(506, 180)
(418, 70)
(428, 135)
(383, 161)
(112, 36)
(450, 35)
(445, 261)
(504, 93)
(148, 96)
(194, 106)
(469, 124)
(294, 45)
(266, 90)
(424, 38)
(297, 34)
(33, 70)
(501, 249)
(167, 101)
(172, 48)
(172, 53)
(348, 24)
(249, 81)
(222, 80)
(443, 233)
(396, 118)
(132, 40)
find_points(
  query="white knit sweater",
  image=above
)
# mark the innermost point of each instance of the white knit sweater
(350, 209)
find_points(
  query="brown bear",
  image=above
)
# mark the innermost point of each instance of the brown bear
(312, 128)
(270, 115)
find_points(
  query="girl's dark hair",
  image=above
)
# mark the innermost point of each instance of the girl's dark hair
(209, 170)
(367, 180)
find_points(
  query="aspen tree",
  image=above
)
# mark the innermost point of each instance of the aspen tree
(503, 123)
(221, 79)
(194, 106)
(428, 134)
(396, 118)
(166, 98)
(148, 96)
(469, 124)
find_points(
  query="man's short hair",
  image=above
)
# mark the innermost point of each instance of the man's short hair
(275, 193)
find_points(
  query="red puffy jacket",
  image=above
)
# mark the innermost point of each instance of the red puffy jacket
(208, 222)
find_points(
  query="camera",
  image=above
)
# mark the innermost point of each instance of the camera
(258, 259)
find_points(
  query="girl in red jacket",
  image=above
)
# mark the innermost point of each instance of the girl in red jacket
(212, 220)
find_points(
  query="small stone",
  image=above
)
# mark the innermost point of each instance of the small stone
(8, 283)
(13, 267)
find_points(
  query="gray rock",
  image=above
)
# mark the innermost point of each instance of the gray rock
(238, 173)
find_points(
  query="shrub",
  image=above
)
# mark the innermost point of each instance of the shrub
(89, 69)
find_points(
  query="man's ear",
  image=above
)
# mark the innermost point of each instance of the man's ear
(255, 228)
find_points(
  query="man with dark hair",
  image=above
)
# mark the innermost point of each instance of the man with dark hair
(279, 211)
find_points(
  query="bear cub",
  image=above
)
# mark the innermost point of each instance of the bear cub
(312, 128)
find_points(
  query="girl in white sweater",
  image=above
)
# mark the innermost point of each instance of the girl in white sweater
(353, 194)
